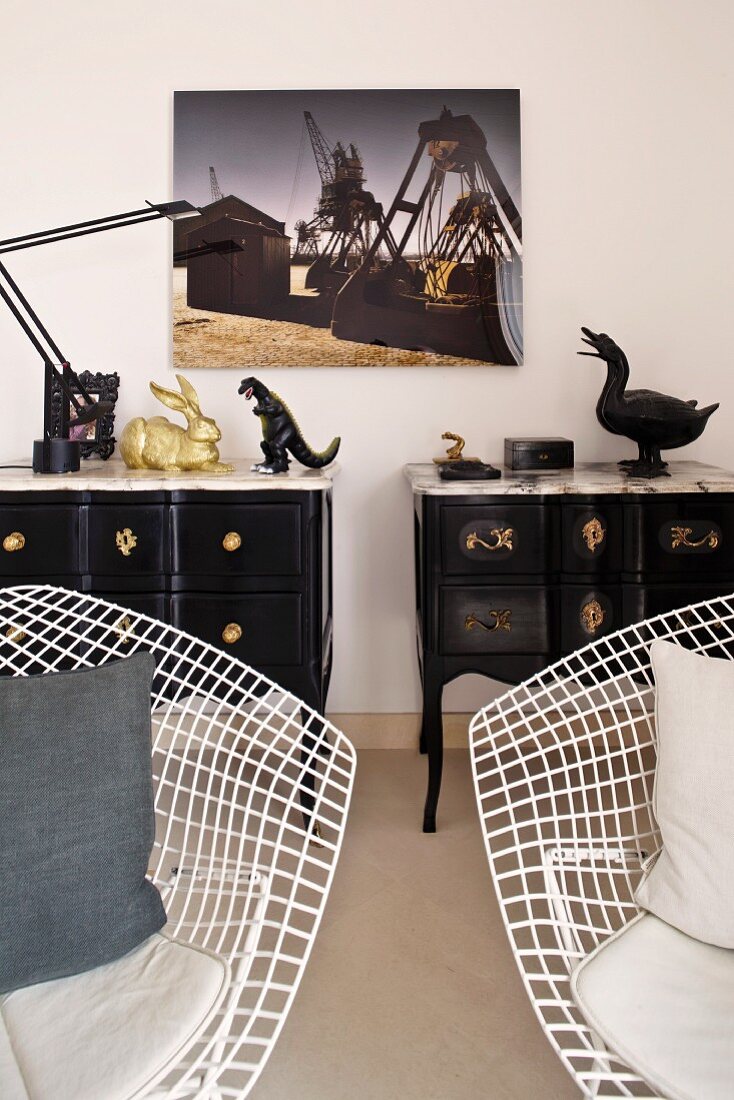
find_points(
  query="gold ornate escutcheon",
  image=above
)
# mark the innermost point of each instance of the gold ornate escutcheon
(502, 539)
(124, 629)
(15, 634)
(232, 541)
(502, 621)
(231, 633)
(125, 541)
(14, 541)
(681, 536)
(593, 534)
(592, 616)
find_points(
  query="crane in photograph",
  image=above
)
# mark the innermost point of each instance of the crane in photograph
(345, 211)
(307, 242)
(214, 185)
(453, 284)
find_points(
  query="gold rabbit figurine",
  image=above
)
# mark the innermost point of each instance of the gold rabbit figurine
(157, 444)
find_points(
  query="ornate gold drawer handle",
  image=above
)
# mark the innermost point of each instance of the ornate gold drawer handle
(593, 534)
(592, 616)
(232, 541)
(124, 629)
(502, 621)
(231, 633)
(15, 634)
(14, 541)
(501, 535)
(125, 541)
(680, 536)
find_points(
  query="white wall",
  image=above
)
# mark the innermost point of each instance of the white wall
(628, 226)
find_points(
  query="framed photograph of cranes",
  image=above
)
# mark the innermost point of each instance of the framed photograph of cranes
(348, 229)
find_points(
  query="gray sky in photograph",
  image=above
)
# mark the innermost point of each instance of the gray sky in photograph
(252, 139)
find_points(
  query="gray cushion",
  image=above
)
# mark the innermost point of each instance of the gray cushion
(691, 883)
(664, 1003)
(76, 820)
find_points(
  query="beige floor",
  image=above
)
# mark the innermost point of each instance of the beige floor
(411, 992)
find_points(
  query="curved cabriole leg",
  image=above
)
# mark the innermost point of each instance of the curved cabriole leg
(432, 736)
(311, 751)
(422, 738)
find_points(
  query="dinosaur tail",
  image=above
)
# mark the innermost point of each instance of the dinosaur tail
(314, 459)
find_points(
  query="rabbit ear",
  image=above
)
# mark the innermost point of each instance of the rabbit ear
(170, 398)
(189, 393)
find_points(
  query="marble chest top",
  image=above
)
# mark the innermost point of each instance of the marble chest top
(114, 476)
(587, 478)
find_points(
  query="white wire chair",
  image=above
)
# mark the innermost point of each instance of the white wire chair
(563, 771)
(252, 794)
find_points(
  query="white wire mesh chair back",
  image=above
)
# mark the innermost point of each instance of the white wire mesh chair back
(252, 790)
(563, 771)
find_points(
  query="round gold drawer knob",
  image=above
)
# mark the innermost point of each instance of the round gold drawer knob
(231, 633)
(14, 541)
(232, 541)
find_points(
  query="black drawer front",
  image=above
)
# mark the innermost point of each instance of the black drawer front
(253, 539)
(39, 541)
(643, 601)
(685, 537)
(264, 629)
(488, 619)
(153, 603)
(501, 539)
(126, 625)
(126, 540)
(703, 626)
(588, 614)
(591, 538)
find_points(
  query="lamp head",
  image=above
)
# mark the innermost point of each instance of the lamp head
(176, 210)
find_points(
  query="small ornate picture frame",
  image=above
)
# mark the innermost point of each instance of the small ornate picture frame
(98, 437)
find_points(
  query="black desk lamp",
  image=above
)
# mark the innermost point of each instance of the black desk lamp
(58, 454)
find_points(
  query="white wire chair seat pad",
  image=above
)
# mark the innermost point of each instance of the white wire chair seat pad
(112, 1032)
(665, 1003)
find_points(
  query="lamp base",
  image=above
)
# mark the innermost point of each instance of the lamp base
(56, 456)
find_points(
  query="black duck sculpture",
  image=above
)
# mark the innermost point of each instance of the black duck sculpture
(652, 420)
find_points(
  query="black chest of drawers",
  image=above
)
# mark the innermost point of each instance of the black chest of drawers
(247, 570)
(514, 576)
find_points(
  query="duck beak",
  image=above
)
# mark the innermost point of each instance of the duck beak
(592, 341)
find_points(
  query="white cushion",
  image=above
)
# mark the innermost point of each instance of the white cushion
(663, 1002)
(110, 1031)
(691, 883)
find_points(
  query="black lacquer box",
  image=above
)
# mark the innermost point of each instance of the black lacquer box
(554, 453)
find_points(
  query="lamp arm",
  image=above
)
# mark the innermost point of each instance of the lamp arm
(37, 333)
(30, 240)
(35, 319)
(112, 221)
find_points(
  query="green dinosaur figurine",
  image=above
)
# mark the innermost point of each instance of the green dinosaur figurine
(281, 433)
